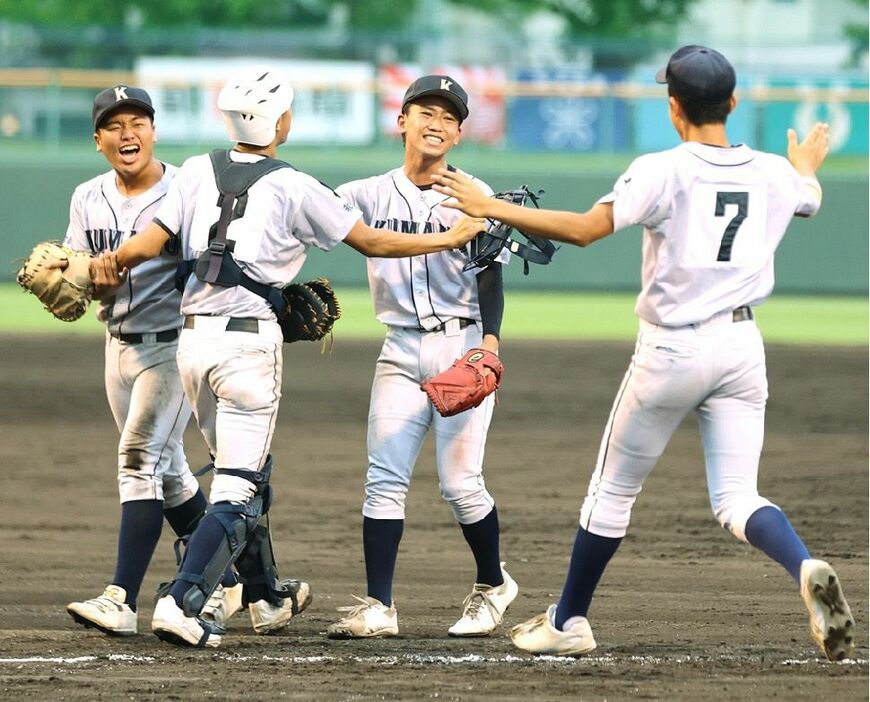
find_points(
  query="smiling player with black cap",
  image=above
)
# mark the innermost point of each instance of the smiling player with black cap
(713, 215)
(435, 312)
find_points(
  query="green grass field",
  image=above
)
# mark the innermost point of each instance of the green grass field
(841, 321)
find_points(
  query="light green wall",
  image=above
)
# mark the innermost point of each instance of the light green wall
(827, 254)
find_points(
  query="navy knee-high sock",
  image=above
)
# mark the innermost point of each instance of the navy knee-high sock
(203, 544)
(381, 539)
(186, 516)
(183, 520)
(769, 530)
(141, 524)
(589, 558)
(482, 537)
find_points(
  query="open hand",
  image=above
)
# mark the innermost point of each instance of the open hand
(808, 155)
(466, 196)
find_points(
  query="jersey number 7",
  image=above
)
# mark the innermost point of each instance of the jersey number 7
(741, 199)
(742, 202)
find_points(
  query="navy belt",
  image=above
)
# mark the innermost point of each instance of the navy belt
(463, 323)
(234, 324)
(165, 335)
(742, 314)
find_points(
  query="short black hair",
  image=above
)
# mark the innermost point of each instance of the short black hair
(699, 113)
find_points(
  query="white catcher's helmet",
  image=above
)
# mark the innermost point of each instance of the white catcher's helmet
(251, 103)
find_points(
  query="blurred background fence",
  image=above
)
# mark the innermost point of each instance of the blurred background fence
(561, 97)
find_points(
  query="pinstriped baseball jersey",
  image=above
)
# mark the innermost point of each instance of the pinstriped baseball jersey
(420, 291)
(287, 212)
(713, 218)
(101, 219)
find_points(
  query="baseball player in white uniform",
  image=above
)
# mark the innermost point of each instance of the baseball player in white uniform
(230, 350)
(713, 215)
(434, 312)
(142, 321)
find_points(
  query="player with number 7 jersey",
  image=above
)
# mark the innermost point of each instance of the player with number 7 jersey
(713, 215)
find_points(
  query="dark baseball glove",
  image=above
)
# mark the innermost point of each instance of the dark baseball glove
(312, 309)
(60, 277)
(466, 383)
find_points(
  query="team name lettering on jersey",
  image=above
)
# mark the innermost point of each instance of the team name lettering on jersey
(104, 239)
(407, 227)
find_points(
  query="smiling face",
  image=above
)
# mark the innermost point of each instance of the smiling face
(430, 126)
(126, 138)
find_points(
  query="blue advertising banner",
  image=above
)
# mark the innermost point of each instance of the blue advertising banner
(566, 122)
(848, 118)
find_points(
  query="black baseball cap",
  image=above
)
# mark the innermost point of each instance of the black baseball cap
(112, 98)
(442, 86)
(700, 74)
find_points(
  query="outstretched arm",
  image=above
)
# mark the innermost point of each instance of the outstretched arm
(570, 227)
(111, 268)
(385, 243)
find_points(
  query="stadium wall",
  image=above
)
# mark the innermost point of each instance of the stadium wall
(825, 255)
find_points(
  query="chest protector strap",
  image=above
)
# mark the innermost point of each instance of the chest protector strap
(216, 265)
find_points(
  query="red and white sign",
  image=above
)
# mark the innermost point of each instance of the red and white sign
(484, 85)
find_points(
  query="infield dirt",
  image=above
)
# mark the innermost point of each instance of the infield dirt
(684, 612)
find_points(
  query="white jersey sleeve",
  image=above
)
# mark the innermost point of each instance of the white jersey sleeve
(639, 195)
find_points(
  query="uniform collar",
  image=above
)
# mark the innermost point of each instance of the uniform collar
(735, 155)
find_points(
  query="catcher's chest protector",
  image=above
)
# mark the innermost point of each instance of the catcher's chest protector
(233, 181)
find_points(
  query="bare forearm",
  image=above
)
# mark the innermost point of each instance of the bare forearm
(558, 225)
(384, 243)
(142, 247)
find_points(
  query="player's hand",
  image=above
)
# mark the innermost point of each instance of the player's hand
(106, 276)
(465, 194)
(808, 155)
(465, 230)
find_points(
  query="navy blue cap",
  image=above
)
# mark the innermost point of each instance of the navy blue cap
(442, 86)
(111, 99)
(699, 74)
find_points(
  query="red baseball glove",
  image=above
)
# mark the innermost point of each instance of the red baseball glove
(466, 383)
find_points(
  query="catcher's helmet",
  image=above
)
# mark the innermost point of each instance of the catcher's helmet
(251, 103)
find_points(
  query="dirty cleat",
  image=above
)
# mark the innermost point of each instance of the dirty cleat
(368, 619)
(268, 618)
(484, 608)
(108, 613)
(831, 621)
(538, 635)
(223, 604)
(171, 625)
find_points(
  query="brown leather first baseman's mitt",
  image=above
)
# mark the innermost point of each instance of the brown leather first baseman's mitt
(466, 383)
(59, 276)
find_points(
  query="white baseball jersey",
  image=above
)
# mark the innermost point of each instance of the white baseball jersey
(713, 218)
(419, 291)
(101, 219)
(287, 212)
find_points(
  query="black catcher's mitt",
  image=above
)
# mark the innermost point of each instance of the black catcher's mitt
(312, 309)
(486, 246)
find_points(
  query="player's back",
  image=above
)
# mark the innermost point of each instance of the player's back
(713, 218)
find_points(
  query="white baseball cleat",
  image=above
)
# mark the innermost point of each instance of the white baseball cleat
(538, 635)
(223, 604)
(171, 625)
(484, 608)
(108, 613)
(268, 618)
(371, 618)
(831, 621)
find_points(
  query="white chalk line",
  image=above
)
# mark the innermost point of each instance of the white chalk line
(434, 659)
